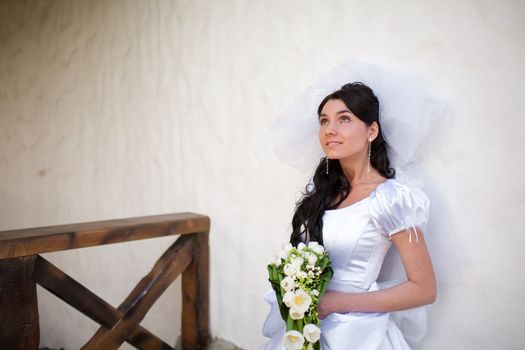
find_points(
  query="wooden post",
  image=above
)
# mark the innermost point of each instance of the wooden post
(195, 297)
(19, 327)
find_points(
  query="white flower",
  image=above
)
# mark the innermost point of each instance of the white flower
(319, 249)
(297, 261)
(315, 292)
(296, 314)
(312, 259)
(277, 261)
(287, 283)
(310, 346)
(290, 269)
(311, 245)
(287, 247)
(282, 255)
(301, 274)
(301, 301)
(293, 340)
(301, 246)
(288, 298)
(312, 333)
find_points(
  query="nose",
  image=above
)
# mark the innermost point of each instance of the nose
(330, 129)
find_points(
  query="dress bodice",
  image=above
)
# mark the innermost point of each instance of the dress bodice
(354, 245)
(357, 237)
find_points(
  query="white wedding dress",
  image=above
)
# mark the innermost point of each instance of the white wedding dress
(357, 238)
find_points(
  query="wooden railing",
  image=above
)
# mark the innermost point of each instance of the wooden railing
(21, 268)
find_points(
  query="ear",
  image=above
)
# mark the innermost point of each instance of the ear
(373, 130)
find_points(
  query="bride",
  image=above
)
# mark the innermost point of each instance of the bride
(357, 205)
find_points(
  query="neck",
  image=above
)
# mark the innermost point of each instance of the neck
(355, 169)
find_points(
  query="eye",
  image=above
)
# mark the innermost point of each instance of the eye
(323, 121)
(344, 119)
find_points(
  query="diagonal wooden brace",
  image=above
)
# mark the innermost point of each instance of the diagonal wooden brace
(170, 265)
(66, 288)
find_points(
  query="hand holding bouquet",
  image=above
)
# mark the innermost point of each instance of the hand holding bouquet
(299, 277)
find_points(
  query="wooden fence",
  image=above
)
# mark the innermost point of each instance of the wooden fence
(21, 268)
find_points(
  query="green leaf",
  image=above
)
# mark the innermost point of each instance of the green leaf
(289, 323)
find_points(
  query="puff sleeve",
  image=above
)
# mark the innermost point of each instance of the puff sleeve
(397, 206)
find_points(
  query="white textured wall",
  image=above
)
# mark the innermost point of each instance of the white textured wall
(114, 109)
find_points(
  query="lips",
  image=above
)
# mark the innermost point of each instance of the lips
(333, 143)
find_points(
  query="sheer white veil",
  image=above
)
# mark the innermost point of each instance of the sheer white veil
(409, 113)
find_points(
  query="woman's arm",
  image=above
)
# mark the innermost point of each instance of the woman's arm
(419, 289)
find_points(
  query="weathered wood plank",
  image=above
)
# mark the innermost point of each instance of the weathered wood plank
(85, 301)
(32, 241)
(171, 264)
(195, 297)
(19, 327)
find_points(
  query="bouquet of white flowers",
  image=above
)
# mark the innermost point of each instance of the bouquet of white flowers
(300, 277)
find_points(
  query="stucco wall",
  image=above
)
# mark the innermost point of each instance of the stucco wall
(114, 109)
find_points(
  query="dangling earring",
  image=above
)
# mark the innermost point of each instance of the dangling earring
(369, 154)
(326, 158)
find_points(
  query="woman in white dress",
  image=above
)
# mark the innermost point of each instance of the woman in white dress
(356, 207)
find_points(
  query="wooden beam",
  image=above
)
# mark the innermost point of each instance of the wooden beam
(164, 272)
(66, 288)
(195, 297)
(19, 327)
(32, 241)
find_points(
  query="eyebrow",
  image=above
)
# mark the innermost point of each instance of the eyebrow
(340, 112)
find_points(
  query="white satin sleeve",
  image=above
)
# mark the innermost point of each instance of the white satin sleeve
(397, 206)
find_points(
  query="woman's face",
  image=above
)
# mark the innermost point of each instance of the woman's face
(341, 133)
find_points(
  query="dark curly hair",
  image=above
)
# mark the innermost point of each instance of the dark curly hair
(329, 190)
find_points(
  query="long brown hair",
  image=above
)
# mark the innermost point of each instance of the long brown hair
(329, 190)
